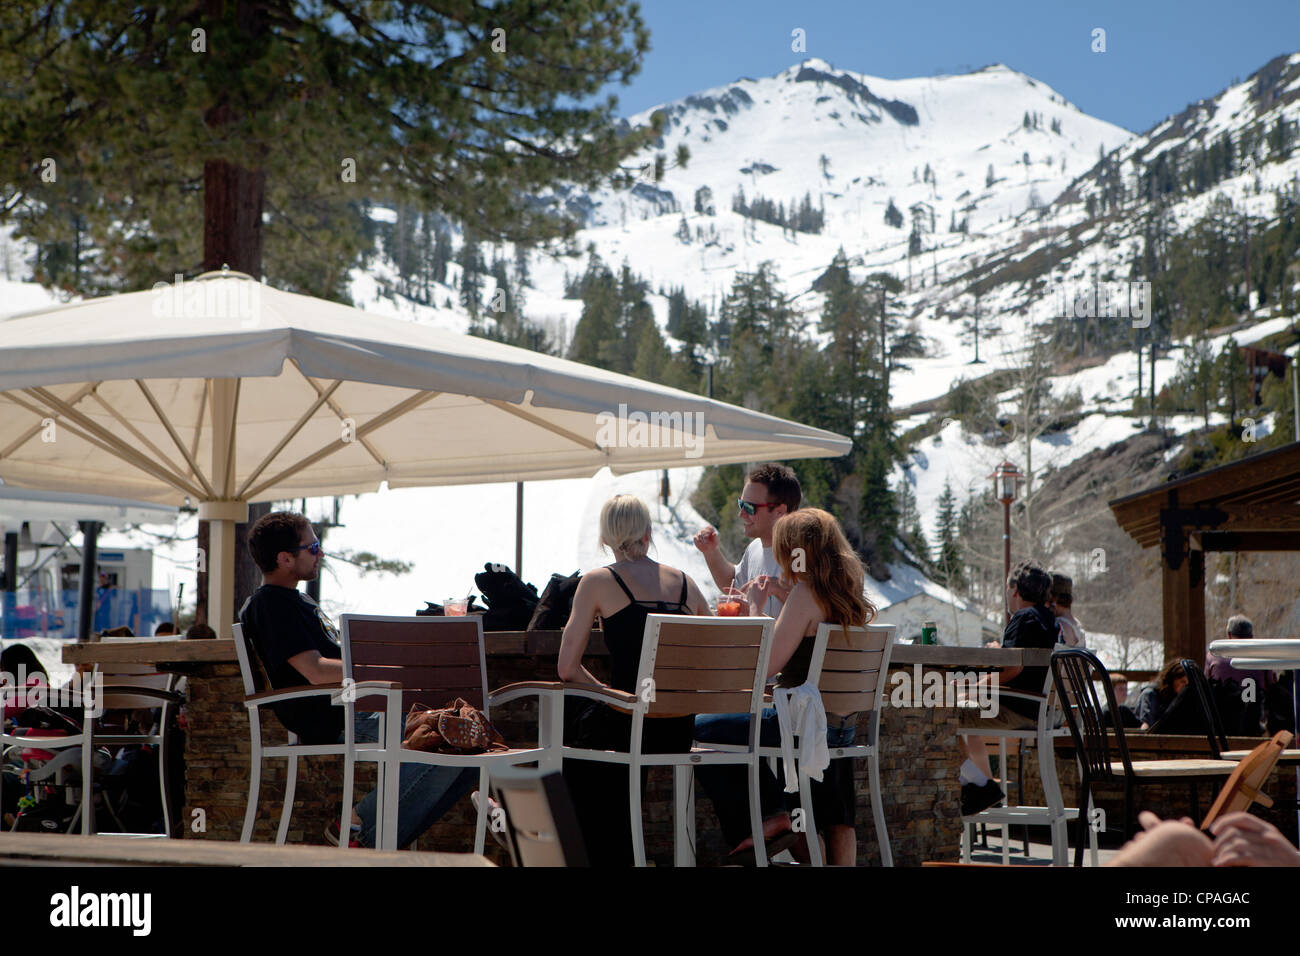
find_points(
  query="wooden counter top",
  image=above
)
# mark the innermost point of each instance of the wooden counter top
(152, 650)
(59, 849)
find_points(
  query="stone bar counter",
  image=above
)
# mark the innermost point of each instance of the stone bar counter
(918, 743)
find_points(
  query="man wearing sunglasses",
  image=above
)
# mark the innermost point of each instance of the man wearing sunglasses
(298, 645)
(770, 491)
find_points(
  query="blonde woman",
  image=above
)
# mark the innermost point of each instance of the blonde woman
(827, 578)
(621, 595)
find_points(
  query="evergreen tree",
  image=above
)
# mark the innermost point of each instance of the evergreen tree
(471, 278)
(947, 561)
(878, 508)
(893, 217)
(288, 121)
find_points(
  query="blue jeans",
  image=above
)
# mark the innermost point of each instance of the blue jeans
(424, 792)
(728, 787)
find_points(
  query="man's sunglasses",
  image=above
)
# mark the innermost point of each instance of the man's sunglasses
(750, 507)
(314, 548)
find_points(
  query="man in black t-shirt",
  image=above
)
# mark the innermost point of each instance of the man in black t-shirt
(298, 645)
(1032, 625)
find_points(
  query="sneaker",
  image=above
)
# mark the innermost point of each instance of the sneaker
(976, 799)
(332, 834)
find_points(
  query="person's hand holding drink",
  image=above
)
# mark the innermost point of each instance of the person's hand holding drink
(731, 603)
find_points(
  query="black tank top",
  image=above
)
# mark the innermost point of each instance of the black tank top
(625, 631)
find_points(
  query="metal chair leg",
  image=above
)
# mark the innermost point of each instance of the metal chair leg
(286, 811)
(634, 807)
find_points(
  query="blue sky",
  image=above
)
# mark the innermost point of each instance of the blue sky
(1160, 54)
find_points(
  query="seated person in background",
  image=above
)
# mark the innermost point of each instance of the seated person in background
(830, 588)
(165, 628)
(622, 594)
(1157, 698)
(200, 631)
(1032, 625)
(1069, 630)
(770, 491)
(1239, 694)
(1119, 684)
(298, 645)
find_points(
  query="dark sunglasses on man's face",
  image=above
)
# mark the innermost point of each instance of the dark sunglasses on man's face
(314, 548)
(751, 507)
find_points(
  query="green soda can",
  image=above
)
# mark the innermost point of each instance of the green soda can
(929, 633)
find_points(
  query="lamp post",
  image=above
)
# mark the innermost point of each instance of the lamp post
(1004, 478)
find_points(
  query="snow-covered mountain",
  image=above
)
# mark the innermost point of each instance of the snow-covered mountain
(853, 143)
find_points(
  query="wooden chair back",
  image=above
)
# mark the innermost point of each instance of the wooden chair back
(435, 659)
(1243, 784)
(849, 665)
(542, 827)
(703, 665)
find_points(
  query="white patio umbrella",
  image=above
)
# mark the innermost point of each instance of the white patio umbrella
(222, 391)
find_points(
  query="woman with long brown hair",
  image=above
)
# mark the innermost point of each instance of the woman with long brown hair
(827, 580)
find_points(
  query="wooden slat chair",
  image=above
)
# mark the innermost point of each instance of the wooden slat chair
(1075, 674)
(848, 670)
(1243, 787)
(542, 827)
(434, 660)
(689, 665)
(258, 694)
(1055, 814)
(128, 687)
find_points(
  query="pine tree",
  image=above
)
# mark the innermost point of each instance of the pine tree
(287, 122)
(878, 508)
(947, 561)
(893, 217)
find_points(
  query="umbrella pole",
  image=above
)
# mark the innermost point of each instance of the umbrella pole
(519, 528)
(222, 516)
(89, 560)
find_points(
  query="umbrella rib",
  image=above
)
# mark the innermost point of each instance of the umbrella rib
(334, 407)
(321, 398)
(114, 444)
(135, 432)
(36, 429)
(398, 410)
(543, 423)
(198, 424)
(228, 479)
(143, 463)
(176, 439)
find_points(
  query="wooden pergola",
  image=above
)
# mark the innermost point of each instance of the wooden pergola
(1249, 505)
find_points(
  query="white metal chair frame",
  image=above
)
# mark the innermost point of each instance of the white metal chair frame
(351, 751)
(645, 706)
(1055, 815)
(130, 687)
(9, 742)
(870, 750)
(392, 754)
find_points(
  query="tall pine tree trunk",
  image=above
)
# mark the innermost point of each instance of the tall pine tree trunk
(233, 197)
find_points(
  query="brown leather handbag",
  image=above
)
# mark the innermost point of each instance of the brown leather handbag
(457, 728)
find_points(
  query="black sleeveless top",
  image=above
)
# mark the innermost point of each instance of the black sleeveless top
(625, 631)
